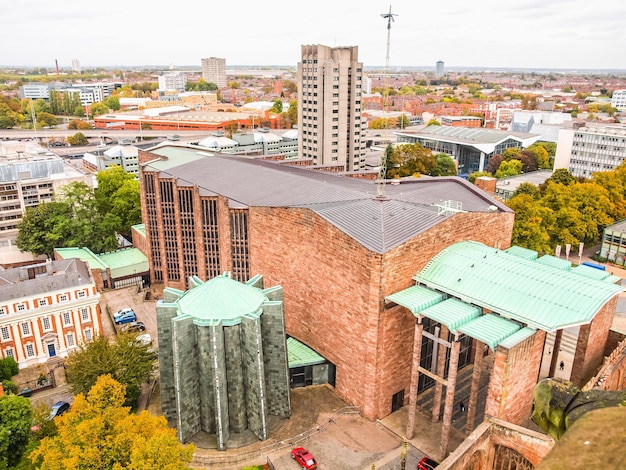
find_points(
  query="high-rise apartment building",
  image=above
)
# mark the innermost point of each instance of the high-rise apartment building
(618, 100)
(214, 71)
(172, 81)
(588, 149)
(329, 113)
(439, 68)
(76, 65)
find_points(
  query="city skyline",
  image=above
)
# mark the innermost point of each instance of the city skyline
(562, 34)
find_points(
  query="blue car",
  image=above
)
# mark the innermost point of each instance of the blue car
(59, 408)
(126, 315)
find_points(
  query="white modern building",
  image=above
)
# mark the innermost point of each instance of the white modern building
(214, 71)
(588, 149)
(124, 155)
(330, 90)
(29, 175)
(545, 123)
(172, 81)
(618, 100)
(261, 142)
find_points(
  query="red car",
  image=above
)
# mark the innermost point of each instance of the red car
(427, 464)
(304, 458)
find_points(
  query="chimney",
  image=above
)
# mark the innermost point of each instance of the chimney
(49, 271)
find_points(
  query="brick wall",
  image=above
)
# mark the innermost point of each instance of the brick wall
(334, 293)
(513, 378)
(591, 343)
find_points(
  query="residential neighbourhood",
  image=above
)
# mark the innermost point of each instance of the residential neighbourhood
(324, 265)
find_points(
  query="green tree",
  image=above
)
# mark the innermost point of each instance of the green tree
(118, 194)
(511, 153)
(44, 228)
(113, 102)
(509, 168)
(528, 188)
(79, 139)
(98, 109)
(533, 223)
(433, 122)
(124, 359)
(403, 122)
(292, 112)
(100, 433)
(8, 368)
(46, 120)
(15, 422)
(445, 166)
(477, 174)
(78, 124)
(277, 107)
(542, 156)
(494, 163)
(411, 159)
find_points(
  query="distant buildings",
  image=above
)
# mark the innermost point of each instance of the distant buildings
(29, 175)
(618, 100)
(214, 71)
(330, 84)
(124, 155)
(89, 92)
(545, 123)
(259, 142)
(76, 65)
(439, 69)
(47, 310)
(172, 82)
(588, 149)
(470, 147)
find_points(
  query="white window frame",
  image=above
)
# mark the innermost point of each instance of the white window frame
(88, 334)
(46, 323)
(21, 307)
(70, 340)
(64, 297)
(84, 314)
(25, 328)
(30, 350)
(3, 311)
(81, 293)
(67, 318)
(9, 352)
(5, 333)
(43, 302)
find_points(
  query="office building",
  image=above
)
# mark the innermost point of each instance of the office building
(618, 100)
(76, 65)
(214, 71)
(329, 107)
(29, 175)
(172, 81)
(47, 310)
(124, 155)
(439, 69)
(588, 149)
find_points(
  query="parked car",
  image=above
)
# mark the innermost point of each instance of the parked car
(427, 464)
(133, 326)
(126, 315)
(59, 408)
(304, 458)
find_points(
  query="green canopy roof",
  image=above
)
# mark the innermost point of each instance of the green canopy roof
(416, 298)
(299, 354)
(490, 329)
(452, 312)
(222, 300)
(540, 293)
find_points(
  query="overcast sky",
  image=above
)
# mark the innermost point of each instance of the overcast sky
(544, 34)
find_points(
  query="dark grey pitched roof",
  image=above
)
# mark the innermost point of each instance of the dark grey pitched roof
(348, 203)
(67, 273)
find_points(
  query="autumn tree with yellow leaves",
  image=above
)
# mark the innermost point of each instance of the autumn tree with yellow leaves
(100, 433)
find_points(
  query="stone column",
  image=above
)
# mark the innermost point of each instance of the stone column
(473, 398)
(450, 389)
(417, 353)
(441, 367)
(555, 352)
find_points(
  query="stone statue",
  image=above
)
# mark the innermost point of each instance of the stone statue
(558, 403)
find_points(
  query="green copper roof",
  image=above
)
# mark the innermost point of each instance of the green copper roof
(300, 354)
(522, 252)
(540, 293)
(452, 312)
(83, 254)
(490, 329)
(416, 298)
(222, 300)
(555, 262)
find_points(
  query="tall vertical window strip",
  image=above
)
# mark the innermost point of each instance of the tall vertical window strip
(211, 238)
(151, 214)
(168, 209)
(239, 244)
(188, 232)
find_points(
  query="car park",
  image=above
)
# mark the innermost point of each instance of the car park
(59, 408)
(133, 327)
(126, 315)
(427, 464)
(304, 458)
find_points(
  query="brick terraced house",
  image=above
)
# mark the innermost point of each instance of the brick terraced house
(47, 310)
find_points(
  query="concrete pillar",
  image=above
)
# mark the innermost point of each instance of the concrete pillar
(441, 367)
(417, 354)
(473, 398)
(450, 389)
